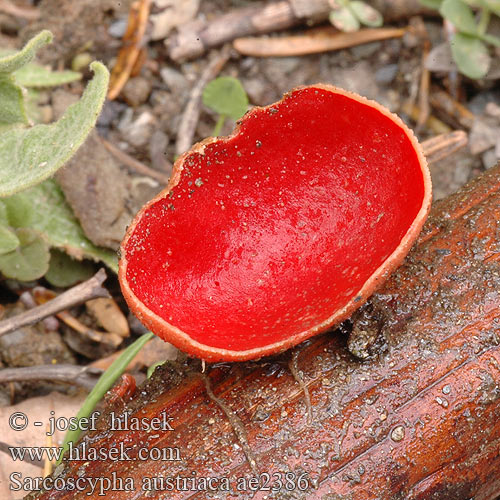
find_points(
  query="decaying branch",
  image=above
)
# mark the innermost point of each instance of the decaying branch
(420, 421)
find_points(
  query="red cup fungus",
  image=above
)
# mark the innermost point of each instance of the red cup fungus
(279, 231)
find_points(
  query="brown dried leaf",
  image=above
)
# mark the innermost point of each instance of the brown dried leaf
(109, 315)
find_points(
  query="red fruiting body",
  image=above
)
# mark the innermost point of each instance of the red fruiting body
(279, 231)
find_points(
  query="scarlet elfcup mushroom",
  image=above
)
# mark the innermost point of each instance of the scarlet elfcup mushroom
(278, 231)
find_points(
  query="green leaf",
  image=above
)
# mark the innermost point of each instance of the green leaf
(12, 62)
(104, 383)
(470, 55)
(226, 96)
(35, 75)
(12, 108)
(153, 367)
(344, 20)
(44, 208)
(31, 155)
(366, 14)
(30, 260)
(65, 271)
(432, 4)
(460, 15)
(8, 239)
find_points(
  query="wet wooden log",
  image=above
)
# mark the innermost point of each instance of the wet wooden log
(420, 421)
(194, 38)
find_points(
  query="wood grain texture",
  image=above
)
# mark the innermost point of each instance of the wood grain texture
(421, 421)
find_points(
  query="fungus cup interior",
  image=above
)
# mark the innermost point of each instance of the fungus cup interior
(275, 233)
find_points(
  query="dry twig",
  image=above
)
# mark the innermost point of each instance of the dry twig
(29, 13)
(131, 53)
(85, 376)
(131, 162)
(87, 290)
(444, 145)
(191, 114)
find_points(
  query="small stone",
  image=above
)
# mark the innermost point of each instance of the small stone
(386, 74)
(139, 132)
(174, 79)
(365, 50)
(398, 433)
(117, 28)
(489, 158)
(157, 149)
(136, 91)
(482, 136)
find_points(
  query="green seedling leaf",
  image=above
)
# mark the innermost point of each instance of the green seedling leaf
(30, 260)
(65, 271)
(35, 75)
(460, 15)
(15, 61)
(366, 14)
(470, 55)
(31, 155)
(153, 367)
(104, 383)
(8, 239)
(344, 20)
(44, 208)
(226, 96)
(432, 4)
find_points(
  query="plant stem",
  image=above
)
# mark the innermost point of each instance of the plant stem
(484, 20)
(107, 379)
(218, 125)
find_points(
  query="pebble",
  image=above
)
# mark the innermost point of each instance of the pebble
(386, 74)
(117, 28)
(138, 132)
(174, 79)
(398, 433)
(136, 91)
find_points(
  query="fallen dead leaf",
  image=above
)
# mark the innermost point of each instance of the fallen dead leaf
(313, 42)
(109, 315)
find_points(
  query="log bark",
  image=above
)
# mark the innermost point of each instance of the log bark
(421, 421)
(194, 38)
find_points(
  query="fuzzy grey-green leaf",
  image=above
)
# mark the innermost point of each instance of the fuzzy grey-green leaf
(44, 208)
(8, 239)
(65, 271)
(226, 96)
(12, 62)
(12, 108)
(31, 155)
(30, 260)
(36, 75)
